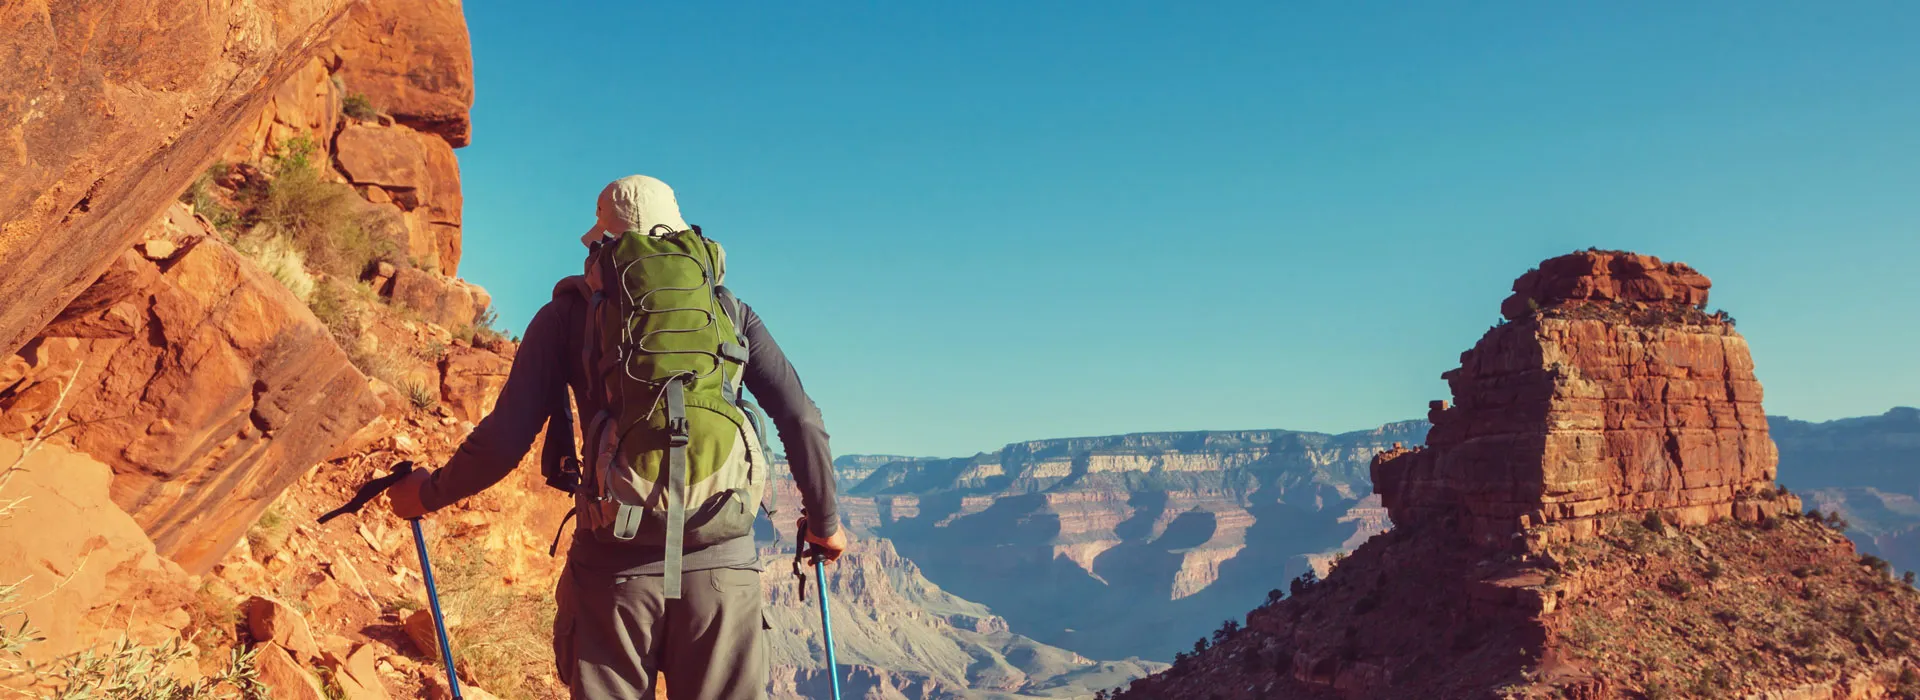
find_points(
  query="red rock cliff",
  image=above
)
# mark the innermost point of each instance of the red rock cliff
(1608, 390)
(107, 111)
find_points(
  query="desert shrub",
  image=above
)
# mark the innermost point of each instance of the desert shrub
(323, 219)
(1226, 631)
(359, 107)
(1877, 565)
(213, 619)
(422, 396)
(1303, 583)
(1837, 521)
(1676, 586)
(199, 195)
(1654, 523)
(281, 259)
(270, 532)
(1714, 570)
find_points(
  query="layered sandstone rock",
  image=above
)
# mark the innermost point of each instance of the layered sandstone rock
(413, 60)
(1610, 391)
(107, 111)
(202, 381)
(413, 173)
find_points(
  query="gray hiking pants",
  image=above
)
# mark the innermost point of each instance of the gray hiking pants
(610, 634)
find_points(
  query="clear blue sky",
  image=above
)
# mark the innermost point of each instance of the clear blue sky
(975, 223)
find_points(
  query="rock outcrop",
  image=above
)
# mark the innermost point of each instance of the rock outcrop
(202, 381)
(85, 570)
(414, 61)
(107, 111)
(1609, 391)
(176, 372)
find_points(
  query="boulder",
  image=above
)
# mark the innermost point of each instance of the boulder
(412, 60)
(420, 629)
(1605, 276)
(283, 677)
(80, 559)
(471, 380)
(357, 675)
(99, 131)
(270, 620)
(438, 299)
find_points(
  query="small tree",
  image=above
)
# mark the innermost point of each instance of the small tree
(1226, 631)
(1303, 582)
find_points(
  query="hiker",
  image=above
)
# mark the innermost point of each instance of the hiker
(634, 598)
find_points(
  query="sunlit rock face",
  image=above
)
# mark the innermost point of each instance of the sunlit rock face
(1609, 390)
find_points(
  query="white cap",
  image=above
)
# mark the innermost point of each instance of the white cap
(634, 203)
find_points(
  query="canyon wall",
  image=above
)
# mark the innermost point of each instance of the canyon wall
(1128, 543)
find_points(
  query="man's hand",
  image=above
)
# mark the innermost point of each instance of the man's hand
(404, 496)
(832, 547)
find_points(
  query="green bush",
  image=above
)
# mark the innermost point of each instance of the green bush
(359, 107)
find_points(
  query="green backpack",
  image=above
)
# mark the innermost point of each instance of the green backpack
(676, 459)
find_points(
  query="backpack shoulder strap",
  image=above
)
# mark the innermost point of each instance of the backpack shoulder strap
(559, 460)
(730, 305)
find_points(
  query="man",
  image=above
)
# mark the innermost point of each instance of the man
(615, 625)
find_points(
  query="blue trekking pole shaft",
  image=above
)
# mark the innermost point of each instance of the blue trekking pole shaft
(439, 623)
(826, 623)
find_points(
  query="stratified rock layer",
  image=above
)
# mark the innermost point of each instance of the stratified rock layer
(107, 111)
(1612, 392)
(412, 60)
(202, 381)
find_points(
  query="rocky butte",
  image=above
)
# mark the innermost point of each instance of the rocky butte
(1608, 390)
(1594, 517)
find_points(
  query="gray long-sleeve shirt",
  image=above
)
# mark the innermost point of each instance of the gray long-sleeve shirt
(548, 362)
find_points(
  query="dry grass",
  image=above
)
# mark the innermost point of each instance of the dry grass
(270, 533)
(502, 638)
(280, 258)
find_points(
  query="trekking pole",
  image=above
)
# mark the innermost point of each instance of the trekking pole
(374, 487)
(802, 550)
(826, 621)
